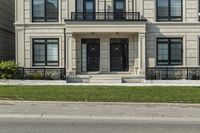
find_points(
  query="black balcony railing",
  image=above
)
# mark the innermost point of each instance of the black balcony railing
(168, 73)
(40, 73)
(106, 16)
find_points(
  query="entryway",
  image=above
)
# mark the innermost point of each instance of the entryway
(90, 55)
(119, 55)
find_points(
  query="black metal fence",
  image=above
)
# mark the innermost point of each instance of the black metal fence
(40, 74)
(167, 73)
(106, 16)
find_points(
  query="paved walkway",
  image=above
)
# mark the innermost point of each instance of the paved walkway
(63, 82)
(17, 109)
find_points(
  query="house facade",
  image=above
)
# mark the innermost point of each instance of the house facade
(7, 30)
(117, 40)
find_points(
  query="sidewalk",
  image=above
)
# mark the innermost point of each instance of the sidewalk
(63, 82)
(76, 110)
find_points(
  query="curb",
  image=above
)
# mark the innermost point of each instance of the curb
(56, 116)
(8, 102)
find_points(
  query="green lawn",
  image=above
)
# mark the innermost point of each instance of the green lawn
(101, 94)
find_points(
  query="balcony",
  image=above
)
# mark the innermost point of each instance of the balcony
(91, 22)
(106, 16)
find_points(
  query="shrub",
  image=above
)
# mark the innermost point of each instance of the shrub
(7, 69)
(37, 75)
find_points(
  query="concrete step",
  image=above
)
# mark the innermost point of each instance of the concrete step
(105, 79)
(79, 79)
(133, 79)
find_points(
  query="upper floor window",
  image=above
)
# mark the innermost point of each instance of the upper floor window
(169, 51)
(45, 10)
(85, 9)
(169, 10)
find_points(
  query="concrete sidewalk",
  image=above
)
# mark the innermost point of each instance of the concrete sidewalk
(63, 82)
(76, 110)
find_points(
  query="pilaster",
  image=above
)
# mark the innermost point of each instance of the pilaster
(142, 53)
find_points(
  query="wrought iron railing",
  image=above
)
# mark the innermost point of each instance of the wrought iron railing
(106, 16)
(169, 73)
(40, 74)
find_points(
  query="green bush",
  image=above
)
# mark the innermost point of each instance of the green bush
(7, 69)
(37, 75)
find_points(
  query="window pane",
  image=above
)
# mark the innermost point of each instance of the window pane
(176, 7)
(162, 10)
(52, 10)
(163, 51)
(89, 5)
(176, 51)
(39, 53)
(38, 10)
(79, 5)
(119, 5)
(52, 52)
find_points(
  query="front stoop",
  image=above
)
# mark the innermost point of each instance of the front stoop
(133, 79)
(106, 79)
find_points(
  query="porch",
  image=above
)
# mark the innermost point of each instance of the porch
(105, 57)
(105, 48)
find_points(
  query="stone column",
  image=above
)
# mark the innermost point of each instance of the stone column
(69, 52)
(142, 53)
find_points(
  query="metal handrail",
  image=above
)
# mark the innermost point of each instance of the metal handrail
(106, 16)
(173, 73)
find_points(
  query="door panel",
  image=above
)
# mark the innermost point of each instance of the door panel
(93, 57)
(116, 57)
(119, 56)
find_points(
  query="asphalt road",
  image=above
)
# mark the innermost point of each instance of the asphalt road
(20, 125)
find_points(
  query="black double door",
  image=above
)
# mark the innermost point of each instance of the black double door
(119, 55)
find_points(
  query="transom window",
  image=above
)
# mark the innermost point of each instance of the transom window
(169, 51)
(45, 10)
(169, 10)
(45, 52)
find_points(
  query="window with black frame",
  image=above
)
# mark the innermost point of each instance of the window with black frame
(169, 51)
(44, 10)
(199, 9)
(169, 10)
(45, 52)
(85, 9)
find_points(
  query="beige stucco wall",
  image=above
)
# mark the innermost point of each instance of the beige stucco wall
(7, 37)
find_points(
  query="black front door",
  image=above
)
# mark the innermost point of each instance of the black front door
(119, 9)
(119, 55)
(93, 54)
